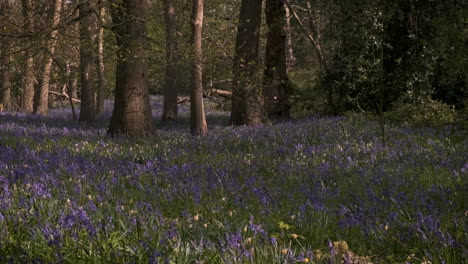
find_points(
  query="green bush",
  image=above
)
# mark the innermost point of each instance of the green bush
(430, 112)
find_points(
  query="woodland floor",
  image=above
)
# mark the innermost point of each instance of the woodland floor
(317, 190)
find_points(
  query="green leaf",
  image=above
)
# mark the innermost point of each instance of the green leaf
(283, 225)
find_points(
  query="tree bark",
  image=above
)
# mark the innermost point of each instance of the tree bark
(290, 58)
(197, 112)
(70, 90)
(5, 90)
(247, 106)
(5, 60)
(88, 103)
(28, 68)
(275, 86)
(132, 110)
(73, 81)
(170, 90)
(42, 97)
(102, 85)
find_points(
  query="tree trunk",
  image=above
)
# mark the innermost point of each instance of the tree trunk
(132, 110)
(88, 104)
(5, 91)
(69, 90)
(73, 81)
(101, 94)
(42, 97)
(5, 60)
(170, 90)
(290, 59)
(197, 112)
(275, 86)
(247, 108)
(28, 70)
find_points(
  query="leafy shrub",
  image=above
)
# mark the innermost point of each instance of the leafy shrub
(308, 100)
(430, 112)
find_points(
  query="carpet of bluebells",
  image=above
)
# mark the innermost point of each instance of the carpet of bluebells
(315, 190)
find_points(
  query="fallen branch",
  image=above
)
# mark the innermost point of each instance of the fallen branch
(66, 96)
(213, 92)
(221, 93)
(183, 99)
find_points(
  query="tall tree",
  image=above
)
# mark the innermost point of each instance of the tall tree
(5, 60)
(42, 97)
(72, 79)
(88, 102)
(132, 110)
(290, 58)
(275, 87)
(170, 89)
(28, 68)
(197, 112)
(102, 85)
(247, 108)
(5, 86)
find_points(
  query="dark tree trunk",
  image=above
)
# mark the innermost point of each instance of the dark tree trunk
(102, 85)
(42, 97)
(197, 112)
(132, 110)
(28, 70)
(275, 86)
(247, 108)
(170, 90)
(88, 102)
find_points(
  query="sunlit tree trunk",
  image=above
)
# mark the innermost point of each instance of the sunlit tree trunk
(88, 103)
(102, 85)
(73, 81)
(5, 87)
(132, 110)
(290, 58)
(28, 68)
(247, 108)
(197, 112)
(275, 88)
(5, 60)
(42, 97)
(170, 89)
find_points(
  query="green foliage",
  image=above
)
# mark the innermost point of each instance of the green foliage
(307, 96)
(431, 113)
(387, 51)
